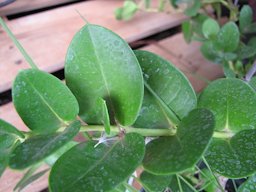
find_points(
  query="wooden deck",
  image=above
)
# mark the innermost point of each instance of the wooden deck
(46, 36)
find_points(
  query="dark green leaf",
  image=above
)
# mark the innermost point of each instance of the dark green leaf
(252, 83)
(127, 11)
(234, 158)
(155, 182)
(37, 148)
(187, 30)
(167, 85)
(86, 167)
(228, 38)
(245, 17)
(232, 102)
(193, 8)
(246, 51)
(211, 53)
(9, 136)
(210, 28)
(99, 64)
(249, 185)
(183, 150)
(42, 101)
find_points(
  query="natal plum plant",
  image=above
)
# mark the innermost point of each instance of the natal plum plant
(117, 98)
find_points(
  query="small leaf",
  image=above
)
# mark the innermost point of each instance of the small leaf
(105, 116)
(127, 11)
(246, 51)
(42, 101)
(155, 182)
(182, 151)
(211, 53)
(210, 28)
(167, 85)
(193, 8)
(249, 185)
(234, 158)
(89, 168)
(36, 148)
(99, 64)
(228, 38)
(232, 102)
(187, 30)
(245, 17)
(9, 136)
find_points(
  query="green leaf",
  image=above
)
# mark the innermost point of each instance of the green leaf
(167, 85)
(37, 148)
(245, 18)
(155, 182)
(101, 64)
(228, 38)
(232, 102)
(234, 158)
(249, 185)
(174, 186)
(210, 183)
(210, 28)
(89, 168)
(152, 114)
(127, 11)
(9, 136)
(105, 115)
(42, 101)
(211, 53)
(193, 8)
(182, 151)
(246, 51)
(252, 83)
(187, 30)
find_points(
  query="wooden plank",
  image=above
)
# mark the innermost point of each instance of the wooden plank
(28, 5)
(184, 56)
(47, 35)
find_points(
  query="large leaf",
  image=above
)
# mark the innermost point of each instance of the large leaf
(167, 85)
(153, 182)
(87, 167)
(43, 102)
(249, 185)
(101, 64)
(228, 38)
(232, 102)
(183, 150)
(36, 148)
(235, 157)
(9, 135)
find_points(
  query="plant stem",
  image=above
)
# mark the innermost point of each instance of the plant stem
(251, 72)
(179, 184)
(18, 45)
(187, 183)
(143, 131)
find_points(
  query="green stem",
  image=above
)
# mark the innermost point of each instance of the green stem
(187, 183)
(179, 184)
(143, 131)
(18, 45)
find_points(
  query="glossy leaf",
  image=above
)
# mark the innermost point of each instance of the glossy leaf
(42, 101)
(99, 64)
(232, 102)
(210, 28)
(234, 158)
(37, 148)
(245, 17)
(249, 185)
(228, 38)
(182, 151)
(127, 11)
(155, 182)
(9, 136)
(167, 85)
(87, 167)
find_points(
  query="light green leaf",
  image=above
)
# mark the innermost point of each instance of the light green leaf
(210, 28)
(187, 30)
(211, 53)
(101, 64)
(105, 115)
(249, 185)
(232, 102)
(235, 157)
(228, 38)
(37, 148)
(87, 167)
(42, 101)
(193, 8)
(182, 151)
(9, 137)
(167, 85)
(127, 11)
(153, 182)
(245, 18)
